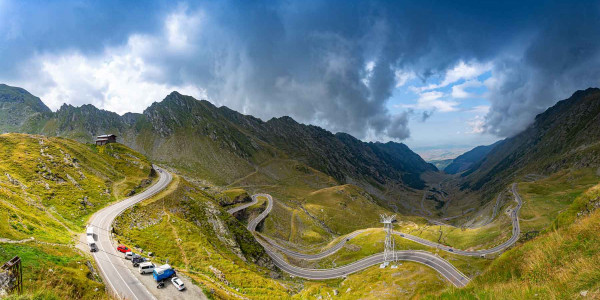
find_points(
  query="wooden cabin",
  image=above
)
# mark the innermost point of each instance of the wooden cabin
(106, 139)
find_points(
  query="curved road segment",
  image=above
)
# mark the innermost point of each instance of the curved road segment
(117, 276)
(429, 259)
(515, 236)
(514, 215)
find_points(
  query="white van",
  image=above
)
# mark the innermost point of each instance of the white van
(92, 244)
(90, 231)
(146, 267)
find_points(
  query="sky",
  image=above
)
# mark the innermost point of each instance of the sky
(431, 74)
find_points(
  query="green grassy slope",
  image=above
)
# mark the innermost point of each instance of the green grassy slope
(48, 189)
(187, 226)
(310, 208)
(18, 108)
(561, 263)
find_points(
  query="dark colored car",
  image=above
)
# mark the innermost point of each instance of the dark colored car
(137, 260)
(123, 249)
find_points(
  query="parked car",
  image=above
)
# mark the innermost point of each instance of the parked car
(123, 249)
(163, 272)
(136, 260)
(146, 267)
(129, 255)
(178, 283)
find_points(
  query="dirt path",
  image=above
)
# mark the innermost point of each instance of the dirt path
(177, 240)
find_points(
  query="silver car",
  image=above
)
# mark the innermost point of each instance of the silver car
(178, 283)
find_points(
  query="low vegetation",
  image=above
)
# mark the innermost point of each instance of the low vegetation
(561, 263)
(48, 189)
(186, 226)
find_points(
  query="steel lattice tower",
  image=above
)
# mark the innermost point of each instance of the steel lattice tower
(389, 253)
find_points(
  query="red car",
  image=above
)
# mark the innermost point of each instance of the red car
(123, 249)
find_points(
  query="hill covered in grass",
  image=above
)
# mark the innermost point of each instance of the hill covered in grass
(560, 263)
(48, 189)
(186, 225)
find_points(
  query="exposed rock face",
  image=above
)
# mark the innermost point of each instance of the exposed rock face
(221, 230)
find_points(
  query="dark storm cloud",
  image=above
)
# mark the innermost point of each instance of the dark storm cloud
(309, 59)
(30, 27)
(561, 57)
(426, 115)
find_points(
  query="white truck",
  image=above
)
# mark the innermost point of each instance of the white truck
(90, 234)
(91, 231)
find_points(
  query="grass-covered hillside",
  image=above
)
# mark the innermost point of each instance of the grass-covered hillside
(48, 189)
(311, 209)
(188, 227)
(561, 263)
(18, 108)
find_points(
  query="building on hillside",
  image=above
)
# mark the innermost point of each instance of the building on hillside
(106, 139)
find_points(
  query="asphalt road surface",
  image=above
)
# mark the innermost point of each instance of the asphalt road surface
(515, 236)
(437, 263)
(117, 276)
(514, 215)
(244, 206)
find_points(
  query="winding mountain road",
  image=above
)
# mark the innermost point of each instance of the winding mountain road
(439, 264)
(427, 258)
(514, 215)
(110, 262)
(126, 286)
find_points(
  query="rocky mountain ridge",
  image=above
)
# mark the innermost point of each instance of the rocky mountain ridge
(222, 145)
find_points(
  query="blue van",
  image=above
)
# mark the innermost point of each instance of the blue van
(163, 272)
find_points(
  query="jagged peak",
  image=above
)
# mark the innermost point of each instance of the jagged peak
(285, 119)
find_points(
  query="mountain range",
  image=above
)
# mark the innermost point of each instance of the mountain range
(218, 143)
(222, 145)
(466, 160)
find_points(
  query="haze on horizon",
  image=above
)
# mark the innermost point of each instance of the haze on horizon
(442, 75)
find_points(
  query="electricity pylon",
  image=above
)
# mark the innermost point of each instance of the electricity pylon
(389, 253)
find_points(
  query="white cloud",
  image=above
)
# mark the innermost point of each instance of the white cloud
(459, 90)
(120, 79)
(461, 71)
(432, 100)
(368, 72)
(402, 77)
(181, 28)
(476, 125)
(480, 109)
